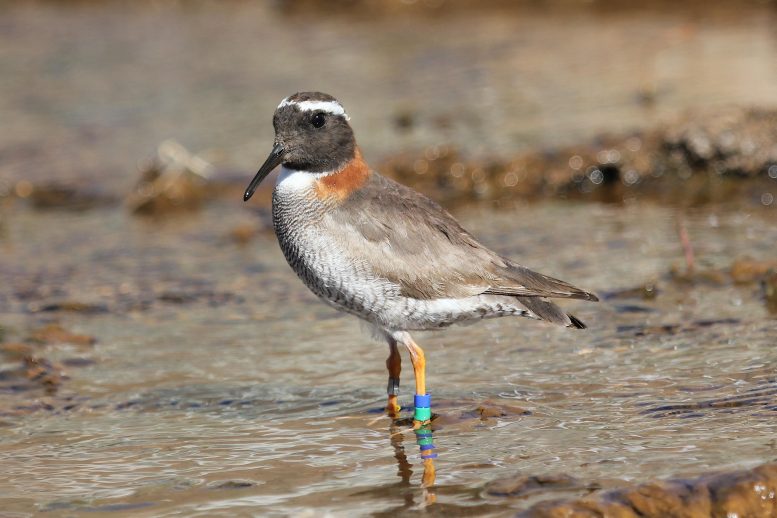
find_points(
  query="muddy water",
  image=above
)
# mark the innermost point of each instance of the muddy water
(218, 383)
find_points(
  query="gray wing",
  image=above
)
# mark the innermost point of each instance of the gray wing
(409, 240)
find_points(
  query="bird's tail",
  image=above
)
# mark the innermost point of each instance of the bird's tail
(576, 322)
(547, 310)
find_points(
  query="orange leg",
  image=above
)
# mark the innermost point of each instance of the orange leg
(427, 480)
(418, 359)
(394, 366)
(419, 364)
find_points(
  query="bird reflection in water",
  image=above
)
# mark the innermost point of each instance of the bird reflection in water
(424, 440)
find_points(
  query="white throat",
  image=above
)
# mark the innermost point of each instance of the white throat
(291, 181)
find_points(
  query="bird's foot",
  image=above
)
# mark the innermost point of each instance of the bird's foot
(392, 407)
(417, 425)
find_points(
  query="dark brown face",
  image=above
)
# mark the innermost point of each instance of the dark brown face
(315, 137)
(311, 134)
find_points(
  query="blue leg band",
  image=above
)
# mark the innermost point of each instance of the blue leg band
(423, 403)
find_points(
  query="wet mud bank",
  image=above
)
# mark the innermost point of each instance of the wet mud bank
(719, 156)
(736, 493)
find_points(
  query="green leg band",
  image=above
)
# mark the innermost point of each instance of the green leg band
(422, 414)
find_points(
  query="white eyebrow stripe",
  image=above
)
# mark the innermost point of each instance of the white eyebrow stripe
(333, 107)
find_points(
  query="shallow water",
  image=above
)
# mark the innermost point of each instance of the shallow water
(247, 394)
(220, 385)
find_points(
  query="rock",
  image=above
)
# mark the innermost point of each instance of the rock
(748, 270)
(738, 493)
(74, 307)
(56, 334)
(43, 372)
(16, 350)
(175, 180)
(212, 298)
(68, 197)
(524, 485)
(732, 141)
(699, 158)
(232, 484)
(681, 274)
(489, 409)
(770, 291)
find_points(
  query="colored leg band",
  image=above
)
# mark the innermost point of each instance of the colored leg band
(422, 414)
(429, 456)
(422, 403)
(393, 387)
(424, 447)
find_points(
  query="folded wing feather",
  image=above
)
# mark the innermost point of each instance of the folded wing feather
(408, 239)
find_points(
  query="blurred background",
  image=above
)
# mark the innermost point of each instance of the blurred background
(158, 356)
(91, 88)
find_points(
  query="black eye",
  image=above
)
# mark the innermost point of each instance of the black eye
(318, 120)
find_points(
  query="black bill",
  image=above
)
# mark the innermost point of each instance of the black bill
(275, 158)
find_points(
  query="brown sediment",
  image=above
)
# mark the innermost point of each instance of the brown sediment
(770, 291)
(73, 306)
(700, 158)
(43, 372)
(16, 350)
(68, 197)
(243, 233)
(32, 373)
(646, 291)
(746, 270)
(55, 334)
(742, 271)
(490, 409)
(524, 485)
(342, 183)
(671, 329)
(438, 8)
(175, 180)
(736, 493)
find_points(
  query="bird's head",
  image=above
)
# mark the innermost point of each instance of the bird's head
(312, 134)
